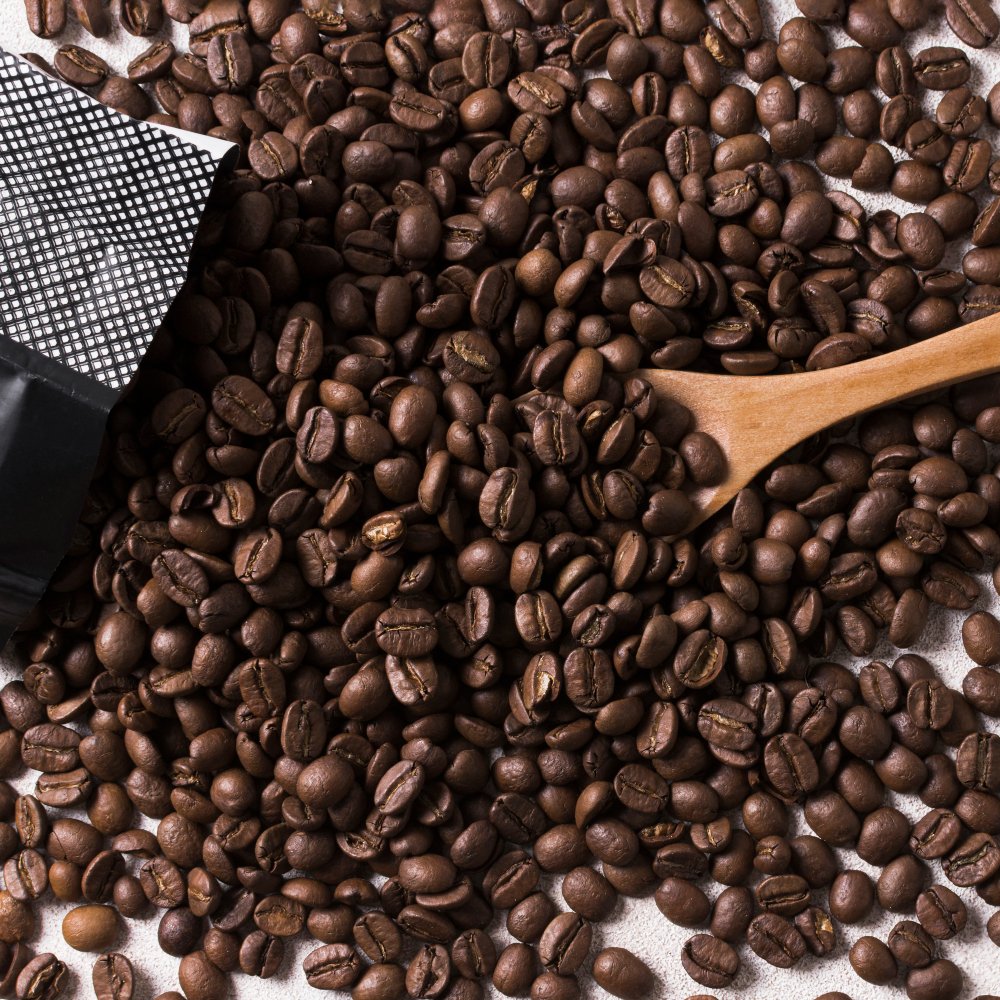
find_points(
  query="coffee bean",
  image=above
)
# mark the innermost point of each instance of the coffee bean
(93, 16)
(428, 971)
(46, 18)
(515, 969)
(152, 64)
(261, 954)
(973, 861)
(243, 405)
(622, 974)
(710, 961)
(941, 913)
(776, 940)
(200, 979)
(90, 928)
(786, 895)
(872, 960)
(79, 66)
(939, 979)
(941, 68)
(910, 944)
(528, 918)
(332, 966)
(974, 23)
(113, 977)
(18, 918)
(682, 903)
(979, 631)
(731, 913)
(899, 884)
(25, 875)
(44, 977)
(936, 834)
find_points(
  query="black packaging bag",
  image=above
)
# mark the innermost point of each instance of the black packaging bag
(98, 215)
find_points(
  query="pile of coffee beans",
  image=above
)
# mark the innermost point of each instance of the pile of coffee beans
(381, 608)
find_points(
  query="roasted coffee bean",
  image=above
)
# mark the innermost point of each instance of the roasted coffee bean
(974, 861)
(783, 894)
(515, 970)
(45, 977)
(776, 940)
(710, 961)
(622, 974)
(910, 944)
(941, 912)
(941, 979)
(975, 22)
(682, 903)
(18, 918)
(852, 896)
(25, 875)
(981, 638)
(428, 971)
(817, 930)
(200, 978)
(899, 884)
(261, 954)
(113, 977)
(588, 893)
(872, 960)
(941, 68)
(564, 943)
(935, 834)
(46, 18)
(731, 913)
(332, 967)
(90, 928)
(79, 66)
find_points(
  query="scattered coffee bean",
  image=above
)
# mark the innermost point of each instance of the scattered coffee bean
(622, 974)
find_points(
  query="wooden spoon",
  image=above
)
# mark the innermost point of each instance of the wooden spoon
(756, 420)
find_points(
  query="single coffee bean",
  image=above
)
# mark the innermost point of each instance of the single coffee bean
(90, 928)
(776, 940)
(973, 861)
(941, 912)
(899, 883)
(515, 970)
(622, 974)
(332, 966)
(45, 977)
(46, 18)
(941, 979)
(18, 921)
(852, 896)
(872, 960)
(113, 977)
(817, 930)
(910, 944)
(731, 914)
(200, 979)
(710, 961)
(80, 67)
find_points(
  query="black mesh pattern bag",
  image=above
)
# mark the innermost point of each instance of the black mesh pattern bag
(98, 215)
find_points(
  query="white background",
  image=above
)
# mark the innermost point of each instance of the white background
(636, 924)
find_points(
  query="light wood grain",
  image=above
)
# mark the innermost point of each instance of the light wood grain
(756, 420)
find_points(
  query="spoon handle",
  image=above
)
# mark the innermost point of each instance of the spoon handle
(962, 353)
(815, 400)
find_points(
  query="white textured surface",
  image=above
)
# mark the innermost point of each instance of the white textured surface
(637, 924)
